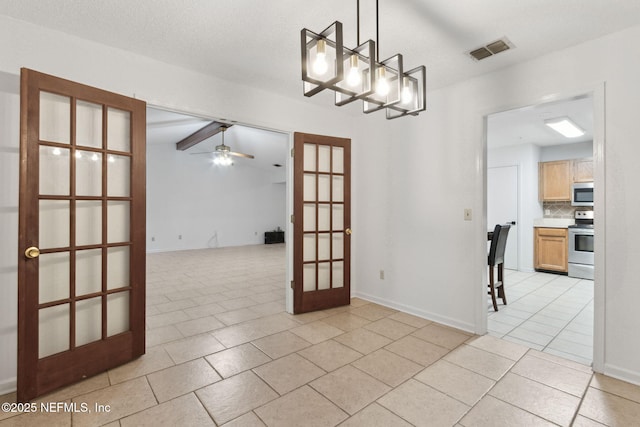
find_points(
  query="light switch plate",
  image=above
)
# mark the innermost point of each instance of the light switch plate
(467, 214)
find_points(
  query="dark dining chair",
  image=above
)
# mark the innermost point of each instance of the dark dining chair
(496, 259)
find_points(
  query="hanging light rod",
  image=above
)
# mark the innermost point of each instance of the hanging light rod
(379, 84)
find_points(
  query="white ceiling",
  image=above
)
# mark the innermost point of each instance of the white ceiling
(268, 147)
(257, 42)
(526, 125)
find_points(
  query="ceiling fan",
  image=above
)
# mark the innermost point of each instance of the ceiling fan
(223, 152)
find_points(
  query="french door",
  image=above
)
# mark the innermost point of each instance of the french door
(322, 221)
(81, 266)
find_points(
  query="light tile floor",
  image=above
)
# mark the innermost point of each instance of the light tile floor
(547, 312)
(222, 351)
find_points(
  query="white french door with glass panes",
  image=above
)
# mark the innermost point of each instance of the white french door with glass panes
(81, 281)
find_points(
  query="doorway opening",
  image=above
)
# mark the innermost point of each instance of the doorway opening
(548, 309)
(240, 209)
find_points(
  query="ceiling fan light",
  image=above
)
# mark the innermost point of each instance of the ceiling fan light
(565, 127)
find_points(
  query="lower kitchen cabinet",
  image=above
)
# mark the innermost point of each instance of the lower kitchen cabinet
(550, 249)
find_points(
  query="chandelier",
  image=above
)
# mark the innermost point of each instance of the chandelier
(358, 74)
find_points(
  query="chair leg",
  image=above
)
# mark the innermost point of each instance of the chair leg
(492, 289)
(501, 292)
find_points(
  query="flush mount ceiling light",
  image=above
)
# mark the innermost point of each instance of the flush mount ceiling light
(358, 74)
(565, 126)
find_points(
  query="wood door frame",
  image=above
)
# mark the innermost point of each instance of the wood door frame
(323, 298)
(127, 345)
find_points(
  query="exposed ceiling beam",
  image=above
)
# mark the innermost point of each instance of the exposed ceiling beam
(200, 135)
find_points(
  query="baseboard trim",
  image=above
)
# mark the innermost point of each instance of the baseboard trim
(622, 374)
(8, 386)
(448, 321)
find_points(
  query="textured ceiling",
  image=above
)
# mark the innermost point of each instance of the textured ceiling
(268, 147)
(526, 125)
(257, 42)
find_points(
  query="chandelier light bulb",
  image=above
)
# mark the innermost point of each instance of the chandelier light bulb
(56, 151)
(382, 85)
(320, 65)
(78, 155)
(354, 78)
(112, 159)
(94, 157)
(407, 93)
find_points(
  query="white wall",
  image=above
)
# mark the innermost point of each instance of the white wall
(208, 205)
(579, 150)
(436, 168)
(413, 177)
(526, 157)
(9, 176)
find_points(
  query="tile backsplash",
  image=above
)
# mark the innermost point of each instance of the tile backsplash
(558, 209)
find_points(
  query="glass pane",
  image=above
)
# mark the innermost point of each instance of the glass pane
(309, 187)
(309, 157)
(324, 217)
(338, 188)
(53, 277)
(88, 222)
(324, 188)
(118, 130)
(88, 124)
(55, 118)
(309, 277)
(117, 267)
(309, 220)
(338, 160)
(88, 321)
(309, 247)
(324, 246)
(54, 171)
(53, 330)
(324, 158)
(117, 313)
(118, 222)
(338, 217)
(88, 173)
(338, 274)
(118, 175)
(54, 224)
(338, 245)
(88, 271)
(324, 275)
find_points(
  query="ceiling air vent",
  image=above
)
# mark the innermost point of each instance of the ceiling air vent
(491, 49)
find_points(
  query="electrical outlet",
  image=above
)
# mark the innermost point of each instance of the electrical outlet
(467, 214)
(381, 274)
(153, 239)
(180, 237)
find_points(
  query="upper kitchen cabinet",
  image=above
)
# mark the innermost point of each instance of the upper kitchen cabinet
(583, 170)
(555, 179)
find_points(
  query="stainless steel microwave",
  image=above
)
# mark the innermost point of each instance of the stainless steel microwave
(582, 194)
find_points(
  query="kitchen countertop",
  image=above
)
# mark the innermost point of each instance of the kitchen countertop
(553, 222)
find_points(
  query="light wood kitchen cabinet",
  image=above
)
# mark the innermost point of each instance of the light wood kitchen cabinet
(554, 180)
(583, 170)
(551, 249)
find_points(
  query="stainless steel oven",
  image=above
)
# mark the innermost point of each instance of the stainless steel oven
(581, 257)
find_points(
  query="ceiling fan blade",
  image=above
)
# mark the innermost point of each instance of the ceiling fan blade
(204, 152)
(248, 156)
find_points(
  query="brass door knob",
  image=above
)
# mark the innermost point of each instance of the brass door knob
(32, 252)
(348, 231)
